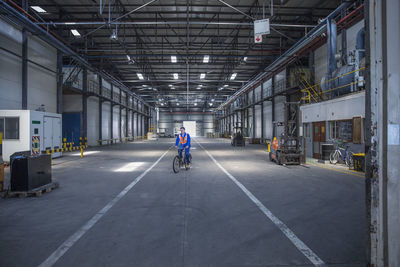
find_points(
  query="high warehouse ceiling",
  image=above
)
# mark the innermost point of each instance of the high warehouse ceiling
(201, 43)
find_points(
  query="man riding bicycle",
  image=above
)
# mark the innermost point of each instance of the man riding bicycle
(183, 142)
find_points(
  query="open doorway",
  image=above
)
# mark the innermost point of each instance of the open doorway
(190, 127)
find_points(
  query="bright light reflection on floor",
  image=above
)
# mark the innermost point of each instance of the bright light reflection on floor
(85, 153)
(129, 167)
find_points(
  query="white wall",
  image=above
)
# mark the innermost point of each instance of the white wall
(268, 120)
(115, 122)
(258, 121)
(92, 120)
(341, 108)
(106, 121)
(123, 123)
(279, 113)
(42, 84)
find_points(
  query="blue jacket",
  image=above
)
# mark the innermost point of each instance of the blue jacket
(181, 145)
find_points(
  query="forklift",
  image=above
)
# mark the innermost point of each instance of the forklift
(237, 136)
(286, 149)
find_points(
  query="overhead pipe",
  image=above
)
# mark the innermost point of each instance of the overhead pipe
(22, 18)
(304, 41)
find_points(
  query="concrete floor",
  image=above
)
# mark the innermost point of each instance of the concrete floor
(198, 217)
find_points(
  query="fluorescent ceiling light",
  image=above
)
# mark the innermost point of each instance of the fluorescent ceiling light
(140, 76)
(206, 59)
(75, 32)
(176, 76)
(245, 58)
(202, 75)
(195, 104)
(38, 9)
(162, 104)
(144, 85)
(233, 76)
(170, 85)
(173, 59)
(198, 88)
(212, 100)
(177, 104)
(226, 85)
(70, 23)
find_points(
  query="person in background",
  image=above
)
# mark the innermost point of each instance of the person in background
(183, 142)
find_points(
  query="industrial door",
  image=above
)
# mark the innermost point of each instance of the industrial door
(319, 136)
(51, 132)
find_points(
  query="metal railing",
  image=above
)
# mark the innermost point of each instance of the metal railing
(315, 93)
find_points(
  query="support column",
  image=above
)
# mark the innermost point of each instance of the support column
(273, 105)
(24, 62)
(59, 82)
(128, 110)
(262, 110)
(137, 118)
(112, 113)
(254, 114)
(100, 108)
(382, 142)
(120, 115)
(84, 105)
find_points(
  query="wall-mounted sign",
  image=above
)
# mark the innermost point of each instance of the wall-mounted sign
(35, 145)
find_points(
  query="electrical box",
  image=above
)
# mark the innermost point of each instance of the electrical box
(30, 130)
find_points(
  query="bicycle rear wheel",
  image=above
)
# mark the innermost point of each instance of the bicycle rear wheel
(176, 164)
(349, 160)
(334, 157)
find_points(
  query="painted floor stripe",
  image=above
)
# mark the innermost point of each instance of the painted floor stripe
(61, 250)
(307, 252)
(355, 173)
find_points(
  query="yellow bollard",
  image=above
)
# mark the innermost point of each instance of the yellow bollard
(81, 152)
(269, 146)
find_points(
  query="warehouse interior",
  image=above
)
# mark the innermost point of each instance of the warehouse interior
(293, 113)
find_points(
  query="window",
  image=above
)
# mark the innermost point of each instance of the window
(341, 130)
(333, 130)
(9, 127)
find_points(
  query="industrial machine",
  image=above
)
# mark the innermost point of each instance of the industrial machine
(237, 136)
(29, 171)
(286, 149)
(30, 130)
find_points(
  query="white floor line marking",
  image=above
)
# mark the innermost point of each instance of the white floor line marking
(311, 256)
(64, 247)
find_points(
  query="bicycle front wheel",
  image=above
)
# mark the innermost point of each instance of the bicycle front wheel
(176, 164)
(334, 157)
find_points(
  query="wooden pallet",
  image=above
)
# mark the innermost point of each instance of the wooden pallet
(37, 192)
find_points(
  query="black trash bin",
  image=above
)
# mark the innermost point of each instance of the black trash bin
(29, 172)
(326, 151)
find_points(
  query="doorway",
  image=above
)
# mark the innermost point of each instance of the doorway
(319, 136)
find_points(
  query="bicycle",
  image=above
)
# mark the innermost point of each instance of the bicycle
(346, 156)
(179, 163)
